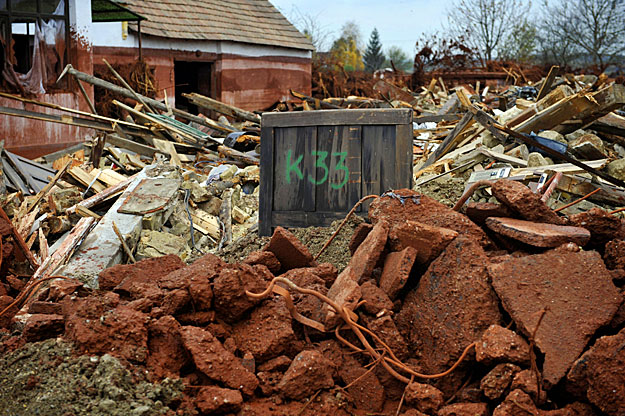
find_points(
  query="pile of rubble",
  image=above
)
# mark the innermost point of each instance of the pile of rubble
(511, 309)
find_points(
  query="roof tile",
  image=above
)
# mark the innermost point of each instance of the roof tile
(248, 21)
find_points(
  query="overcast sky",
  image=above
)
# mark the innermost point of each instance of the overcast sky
(400, 22)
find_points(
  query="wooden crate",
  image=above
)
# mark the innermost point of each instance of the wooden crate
(315, 165)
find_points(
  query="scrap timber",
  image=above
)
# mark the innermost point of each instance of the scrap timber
(489, 280)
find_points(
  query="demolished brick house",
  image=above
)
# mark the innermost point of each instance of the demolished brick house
(242, 52)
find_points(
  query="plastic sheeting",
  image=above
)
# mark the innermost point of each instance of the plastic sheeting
(48, 57)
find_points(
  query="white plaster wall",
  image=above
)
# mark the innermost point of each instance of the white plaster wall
(80, 19)
(110, 35)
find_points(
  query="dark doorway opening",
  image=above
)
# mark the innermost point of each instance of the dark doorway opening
(192, 77)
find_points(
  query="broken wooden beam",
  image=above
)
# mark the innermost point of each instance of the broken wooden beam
(218, 106)
(20, 241)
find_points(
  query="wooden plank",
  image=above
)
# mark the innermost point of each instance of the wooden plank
(168, 148)
(265, 204)
(378, 160)
(448, 143)
(222, 108)
(340, 179)
(546, 86)
(104, 195)
(294, 169)
(62, 119)
(42, 193)
(86, 179)
(376, 116)
(110, 177)
(403, 156)
(141, 149)
(435, 118)
(307, 219)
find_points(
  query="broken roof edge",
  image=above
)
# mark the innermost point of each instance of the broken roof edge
(110, 11)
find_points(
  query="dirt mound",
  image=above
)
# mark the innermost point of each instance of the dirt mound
(44, 378)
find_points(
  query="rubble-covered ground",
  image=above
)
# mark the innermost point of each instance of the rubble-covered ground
(517, 314)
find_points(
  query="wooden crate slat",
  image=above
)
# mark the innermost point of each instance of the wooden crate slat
(380, 116)
(338, 151)
(294, 165)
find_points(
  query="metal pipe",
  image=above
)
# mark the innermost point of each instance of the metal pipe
(467, 194)
(552, 187)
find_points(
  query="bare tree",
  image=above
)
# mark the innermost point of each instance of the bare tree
(594, 28)
(309, 25)
(485, 24)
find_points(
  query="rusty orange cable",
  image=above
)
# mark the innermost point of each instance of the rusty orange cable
(389, 363)
(616, 211)
(336, 232)
(577, 201)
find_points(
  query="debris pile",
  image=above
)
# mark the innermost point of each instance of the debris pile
(517, 313)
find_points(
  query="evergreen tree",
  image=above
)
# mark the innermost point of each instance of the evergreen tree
(374, 58)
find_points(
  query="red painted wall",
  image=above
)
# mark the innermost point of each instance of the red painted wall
(252, 83)
(34, 138)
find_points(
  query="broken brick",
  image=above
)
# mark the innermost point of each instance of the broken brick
(517, 403)
(310, 371)
(214, 361)
(614, 254)
(425, 398)
(364, 387)
(368, 253)
(396, 271)
(600, 373)
(602, 225)
(384, 327)
(451, 306)
(559, 283)
(526, 381)
(464, 409)
(520, 199)
(266, 258)
(538, 234)
(230, 299)
(213, 400)
(153, 268)
(501, 345)
(46, 308)
(479, 211)
(360, 233)
(428, 241)
(289, 251)
(421, 208)
(267, 333)
(40, 326)
(167, 355)
(376, 299)
(496, 382)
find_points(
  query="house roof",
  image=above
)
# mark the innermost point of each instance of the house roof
(109, 11)
(248, 21)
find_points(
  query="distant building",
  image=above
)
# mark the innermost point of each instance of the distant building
(242, 52)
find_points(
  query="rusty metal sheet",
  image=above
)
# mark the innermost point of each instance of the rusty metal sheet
(151, 195)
